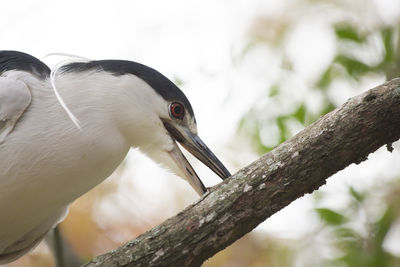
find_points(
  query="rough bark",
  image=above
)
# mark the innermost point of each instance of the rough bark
(298, 166)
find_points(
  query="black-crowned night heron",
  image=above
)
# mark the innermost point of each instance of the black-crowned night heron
(47, 161)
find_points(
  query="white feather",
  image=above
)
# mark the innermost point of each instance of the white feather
(53, 74)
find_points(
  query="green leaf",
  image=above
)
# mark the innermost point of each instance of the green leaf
(384, 224)
(346, 236)
(356, 195)
(283, 129)
(387, 38)
(348, 32)
(274, 90)
(300, 113)
(331, 217)
(325, 79)
(353, 67)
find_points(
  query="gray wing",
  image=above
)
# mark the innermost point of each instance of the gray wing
(15, 97)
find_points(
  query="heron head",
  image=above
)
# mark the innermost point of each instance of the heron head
(180, 125)
(160, 117)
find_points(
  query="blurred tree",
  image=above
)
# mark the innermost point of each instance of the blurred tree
(364, 45)
(358, 233)
(258, 250)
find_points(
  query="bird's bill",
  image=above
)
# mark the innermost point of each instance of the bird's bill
(184, 166)
(192, 143)
(196, 146)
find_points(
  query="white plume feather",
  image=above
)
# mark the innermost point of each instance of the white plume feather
(53, 74)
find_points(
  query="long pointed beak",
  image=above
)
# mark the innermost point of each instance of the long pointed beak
(192, 143)
(188, 171)
(196, 146)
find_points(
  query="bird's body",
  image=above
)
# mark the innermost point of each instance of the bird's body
(47, 162)
(40, 181)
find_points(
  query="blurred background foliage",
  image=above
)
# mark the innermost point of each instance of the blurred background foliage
(358, 46)
(362, 47)
(357, 233)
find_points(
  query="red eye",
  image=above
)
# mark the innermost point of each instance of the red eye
(177, 110)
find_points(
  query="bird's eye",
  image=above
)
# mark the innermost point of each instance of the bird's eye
(177, 110)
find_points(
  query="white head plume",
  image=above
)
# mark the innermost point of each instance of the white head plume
(53, 74)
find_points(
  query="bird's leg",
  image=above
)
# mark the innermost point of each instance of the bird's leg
(62, 251)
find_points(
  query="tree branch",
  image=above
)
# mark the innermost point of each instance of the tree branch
(296, 167)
